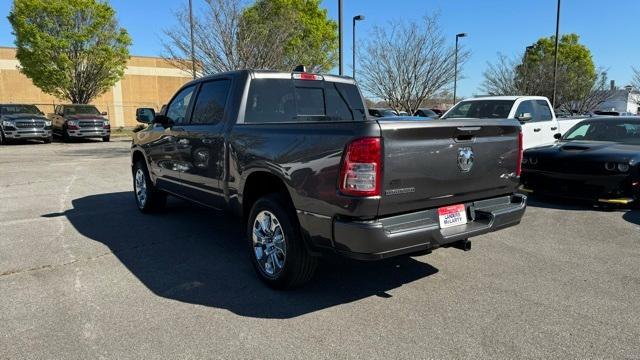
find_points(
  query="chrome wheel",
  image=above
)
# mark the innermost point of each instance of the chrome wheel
(269, 246)
(140, 184)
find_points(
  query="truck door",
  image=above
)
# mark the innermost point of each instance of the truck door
(166, 152)
(531, 129)
(204, 144)
(548, 122)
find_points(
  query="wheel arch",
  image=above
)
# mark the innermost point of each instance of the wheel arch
(260, 183)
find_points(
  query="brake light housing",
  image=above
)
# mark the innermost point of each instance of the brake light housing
(306, 76)
(520, 150)
(361, 169)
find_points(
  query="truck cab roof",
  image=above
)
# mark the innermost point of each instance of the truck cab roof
(271, 74)
(511, 98)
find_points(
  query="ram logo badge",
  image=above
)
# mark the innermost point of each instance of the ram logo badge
(465, 159)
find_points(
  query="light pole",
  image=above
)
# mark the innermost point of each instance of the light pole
(455, 67)
(555, 58)
(193, 53)
(340, 37)
(355, 18)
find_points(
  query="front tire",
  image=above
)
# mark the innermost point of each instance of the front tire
(148, 198)
(276, 247)
(106, 139)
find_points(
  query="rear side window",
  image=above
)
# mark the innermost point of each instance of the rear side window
(284, 100)
(210, 103)
(544, 112)
(481, 109)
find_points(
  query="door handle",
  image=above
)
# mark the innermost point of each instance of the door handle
(207, 141)
(183, 141)
(554, 128)
(536, 129)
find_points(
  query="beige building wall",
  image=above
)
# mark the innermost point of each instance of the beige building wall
(147, 82)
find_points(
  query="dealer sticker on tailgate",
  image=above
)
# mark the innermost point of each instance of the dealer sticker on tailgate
(452, 215)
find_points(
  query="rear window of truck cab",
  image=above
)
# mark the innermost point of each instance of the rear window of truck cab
(288, 100)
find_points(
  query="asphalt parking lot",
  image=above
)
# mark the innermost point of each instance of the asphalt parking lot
(84, 275)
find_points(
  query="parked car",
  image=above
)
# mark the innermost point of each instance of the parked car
(428, 113)
(597, 160)
(401, 113)
(23, 122)
(612, 113)
(295, 155)
(382, 112)
(539, 123)
(76, 121)
(440, 112)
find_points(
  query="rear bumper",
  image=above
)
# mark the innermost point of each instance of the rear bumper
(407, 233)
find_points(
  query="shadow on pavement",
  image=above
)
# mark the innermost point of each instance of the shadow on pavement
(198, 256)
(632, 217)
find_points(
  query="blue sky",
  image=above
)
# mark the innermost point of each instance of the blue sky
(494, 26)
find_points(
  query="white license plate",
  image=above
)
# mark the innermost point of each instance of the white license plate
(453, 215)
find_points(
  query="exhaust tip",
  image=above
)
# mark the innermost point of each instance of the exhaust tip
(464, 245)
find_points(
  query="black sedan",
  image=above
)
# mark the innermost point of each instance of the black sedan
(596, 160)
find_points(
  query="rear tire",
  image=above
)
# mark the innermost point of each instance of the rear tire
(148, 198)
(275, 243)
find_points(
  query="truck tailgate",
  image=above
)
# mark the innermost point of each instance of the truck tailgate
(441, 162)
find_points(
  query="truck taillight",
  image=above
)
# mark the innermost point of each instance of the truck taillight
(360, 174)
(519, 168)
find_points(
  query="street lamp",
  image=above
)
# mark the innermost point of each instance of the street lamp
(355, 18)
(340, 63)
(555, 57)
(455, 67)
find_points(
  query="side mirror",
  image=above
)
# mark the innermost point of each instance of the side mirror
(104, 113)
(557, 136)
(145, 115)
(524, 117)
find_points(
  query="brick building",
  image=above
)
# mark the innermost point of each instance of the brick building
(147, 82)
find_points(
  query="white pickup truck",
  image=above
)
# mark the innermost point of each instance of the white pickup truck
(539, 123)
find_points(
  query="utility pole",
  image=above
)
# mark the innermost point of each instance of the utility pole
(341, 67)
(555, 58)
(193, 53)
(355, 18)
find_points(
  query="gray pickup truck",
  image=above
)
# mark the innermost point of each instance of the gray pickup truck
(23, 122)
(80, 121)
(296, 156)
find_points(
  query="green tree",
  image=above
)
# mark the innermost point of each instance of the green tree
(71, 49)
(532, 74)
(314, 40)
(576, 70)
